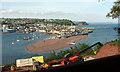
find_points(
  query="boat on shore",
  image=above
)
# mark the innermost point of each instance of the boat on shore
(84, 33)
(72, 43)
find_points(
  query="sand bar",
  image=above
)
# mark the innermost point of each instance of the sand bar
(53, 44)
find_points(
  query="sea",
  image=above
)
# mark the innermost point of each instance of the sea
(10, 52)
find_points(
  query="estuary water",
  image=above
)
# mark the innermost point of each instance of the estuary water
(18, 51)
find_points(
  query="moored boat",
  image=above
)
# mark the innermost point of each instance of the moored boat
(18, 40)
(13, 43)
(25, 39)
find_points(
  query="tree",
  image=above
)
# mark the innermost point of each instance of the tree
(115, 13)
(115, 10)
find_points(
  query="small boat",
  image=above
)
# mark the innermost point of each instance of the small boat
(25, 39)
(12, 42)
(90, 31)
(18, 40)
(37, 37)
(84, 33)
(29, 38)
(32, 39)
(72, 43)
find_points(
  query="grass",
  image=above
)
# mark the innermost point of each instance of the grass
(72, 51)
(115, 43)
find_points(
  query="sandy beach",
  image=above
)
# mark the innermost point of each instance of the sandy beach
(53, 44)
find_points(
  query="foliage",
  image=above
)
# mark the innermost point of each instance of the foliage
(115, 42)
(114, 13)
(52, 53)
(59, 21)
(50, 58)
(26, 21)
(72, 51)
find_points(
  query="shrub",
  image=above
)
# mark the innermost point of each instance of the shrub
(115, 42)
(72, 50)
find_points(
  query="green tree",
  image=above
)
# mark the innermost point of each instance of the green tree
(115, 10)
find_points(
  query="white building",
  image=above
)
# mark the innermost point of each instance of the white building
(42, 31)
(5, 27)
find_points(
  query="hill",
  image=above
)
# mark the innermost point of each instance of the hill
(80, 23)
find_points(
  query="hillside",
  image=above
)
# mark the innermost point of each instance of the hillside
(23, 21)
(80, 23)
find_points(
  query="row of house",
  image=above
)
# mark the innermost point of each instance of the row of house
(5, 28)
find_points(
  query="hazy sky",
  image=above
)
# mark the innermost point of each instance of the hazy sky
(80, 10)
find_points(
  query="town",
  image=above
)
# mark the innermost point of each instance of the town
(61, 27)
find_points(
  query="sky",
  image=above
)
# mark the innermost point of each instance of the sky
(76, 10)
